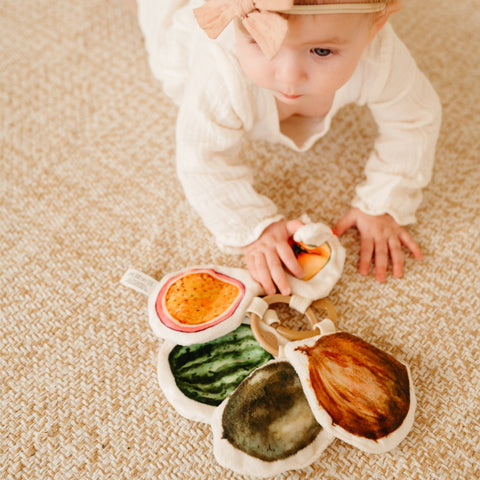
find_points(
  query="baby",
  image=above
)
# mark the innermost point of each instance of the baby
(279, 70)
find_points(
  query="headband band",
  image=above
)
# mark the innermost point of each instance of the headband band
(331, 8)
(263, 18)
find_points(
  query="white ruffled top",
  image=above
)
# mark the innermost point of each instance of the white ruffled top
(219, 107)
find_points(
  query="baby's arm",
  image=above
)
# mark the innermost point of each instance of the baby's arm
(408, 112)
(211, 125)
(267, 257)
(381, 239)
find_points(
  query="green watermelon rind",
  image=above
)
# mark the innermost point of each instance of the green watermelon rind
(209, 372)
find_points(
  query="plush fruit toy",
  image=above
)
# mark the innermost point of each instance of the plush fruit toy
(321, 255)
(200, 303)
(275, 397)
(311, 258)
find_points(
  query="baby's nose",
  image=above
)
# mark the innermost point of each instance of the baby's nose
(289, 69)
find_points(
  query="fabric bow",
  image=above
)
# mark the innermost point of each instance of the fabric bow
(259, 17)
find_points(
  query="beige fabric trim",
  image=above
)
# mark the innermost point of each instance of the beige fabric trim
(334, 8)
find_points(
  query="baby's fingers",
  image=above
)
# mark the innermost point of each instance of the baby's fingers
(289, 260)
(381, 261)
(407, 240)
(277, 273)
(366, 254)
(346, 222)
(396, 256)
(257, 266)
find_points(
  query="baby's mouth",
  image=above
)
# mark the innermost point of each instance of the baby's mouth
(289, 96)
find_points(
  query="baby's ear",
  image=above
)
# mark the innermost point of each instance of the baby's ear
(383, 17)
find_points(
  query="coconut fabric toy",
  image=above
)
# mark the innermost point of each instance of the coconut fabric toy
(275, 397)
(357, 392)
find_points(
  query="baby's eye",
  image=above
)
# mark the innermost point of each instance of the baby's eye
(321, 52)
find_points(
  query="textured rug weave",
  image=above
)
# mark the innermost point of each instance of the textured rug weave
(88, 189)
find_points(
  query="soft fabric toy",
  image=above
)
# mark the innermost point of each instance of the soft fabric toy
(274, 397)
(202, 303)
(199, 304)
(357, 392)
(322, 257)
(266, 426)
(197, 378)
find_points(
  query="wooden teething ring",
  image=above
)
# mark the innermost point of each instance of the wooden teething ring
(268, 340)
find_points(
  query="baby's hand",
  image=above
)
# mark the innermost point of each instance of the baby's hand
(381, 238)
(267, 257)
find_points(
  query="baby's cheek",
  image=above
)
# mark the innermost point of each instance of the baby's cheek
(254, 64)
(254, 72)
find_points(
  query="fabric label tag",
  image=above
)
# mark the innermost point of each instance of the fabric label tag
(138, 281)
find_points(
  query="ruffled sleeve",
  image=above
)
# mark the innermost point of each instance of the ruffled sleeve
(407, 111)
(217, 109)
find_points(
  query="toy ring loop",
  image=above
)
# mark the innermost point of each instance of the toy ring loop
(268, 340)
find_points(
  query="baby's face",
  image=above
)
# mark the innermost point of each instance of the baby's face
(319, 55)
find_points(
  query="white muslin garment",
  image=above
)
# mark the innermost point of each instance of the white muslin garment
(219, 108)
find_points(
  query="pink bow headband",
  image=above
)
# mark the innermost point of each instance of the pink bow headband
(262, 20)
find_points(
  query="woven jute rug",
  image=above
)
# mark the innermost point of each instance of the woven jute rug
(88, 189)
